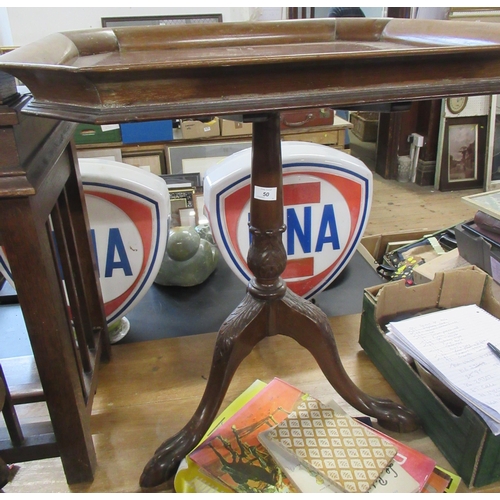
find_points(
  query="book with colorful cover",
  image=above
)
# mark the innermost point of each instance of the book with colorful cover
(417, 464)
(233, 454)
(442, 481)
(393, 479)
(191, 479)
(346, 453)
(188, 478)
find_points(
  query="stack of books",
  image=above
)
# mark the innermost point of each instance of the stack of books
(275, 438)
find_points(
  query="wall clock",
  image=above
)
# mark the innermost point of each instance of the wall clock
(456, 104)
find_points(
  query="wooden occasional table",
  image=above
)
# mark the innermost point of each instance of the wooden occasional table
(253, 71)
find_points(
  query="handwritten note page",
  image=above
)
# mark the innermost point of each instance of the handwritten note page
(452, 344)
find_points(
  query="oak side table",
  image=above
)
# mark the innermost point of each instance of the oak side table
(253, 71)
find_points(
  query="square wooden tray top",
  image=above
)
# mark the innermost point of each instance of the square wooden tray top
(138, 73)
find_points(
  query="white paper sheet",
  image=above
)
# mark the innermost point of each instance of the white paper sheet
(452, 345)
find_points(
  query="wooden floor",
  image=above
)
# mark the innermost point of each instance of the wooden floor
(406, 206)
(150, 389)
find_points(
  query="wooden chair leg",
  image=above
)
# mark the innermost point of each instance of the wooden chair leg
(9, 414)
(4, 474)
(12, 424)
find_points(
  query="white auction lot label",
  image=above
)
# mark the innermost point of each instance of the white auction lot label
(265, 193)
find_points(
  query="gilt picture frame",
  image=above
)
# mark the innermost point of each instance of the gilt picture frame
(463, 153)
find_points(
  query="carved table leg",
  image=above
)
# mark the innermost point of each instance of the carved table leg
(239, 334)
(309, 326)
(268, 309)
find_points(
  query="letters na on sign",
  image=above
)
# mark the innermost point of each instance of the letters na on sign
(327, 197)
(129, 216)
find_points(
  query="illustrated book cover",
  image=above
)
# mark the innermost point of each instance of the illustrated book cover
(189, 478)
(339, 448)
(233, 455)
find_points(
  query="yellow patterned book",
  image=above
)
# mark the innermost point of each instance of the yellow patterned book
(345, 453)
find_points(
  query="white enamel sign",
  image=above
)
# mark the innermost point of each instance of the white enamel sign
(327, 197)
(129, 215)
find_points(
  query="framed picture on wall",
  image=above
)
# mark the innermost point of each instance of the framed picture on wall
(494, 175)
(198, 158)
(114, 154)
(463, 153)
(150, 160)
(193, 179)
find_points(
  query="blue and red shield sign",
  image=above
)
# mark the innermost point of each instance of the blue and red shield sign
(129, 214)
(327, 198)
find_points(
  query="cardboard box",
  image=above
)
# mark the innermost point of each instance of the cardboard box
(373, 248)
(153, 131)
(446, 262)
(230, 127)
(87, 133)
(464, 439)
(195, 129)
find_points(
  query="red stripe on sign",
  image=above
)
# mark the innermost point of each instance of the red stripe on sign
(299, 268)
(301, 194)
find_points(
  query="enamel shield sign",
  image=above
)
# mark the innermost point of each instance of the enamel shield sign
(327, 197)
(129, 214)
